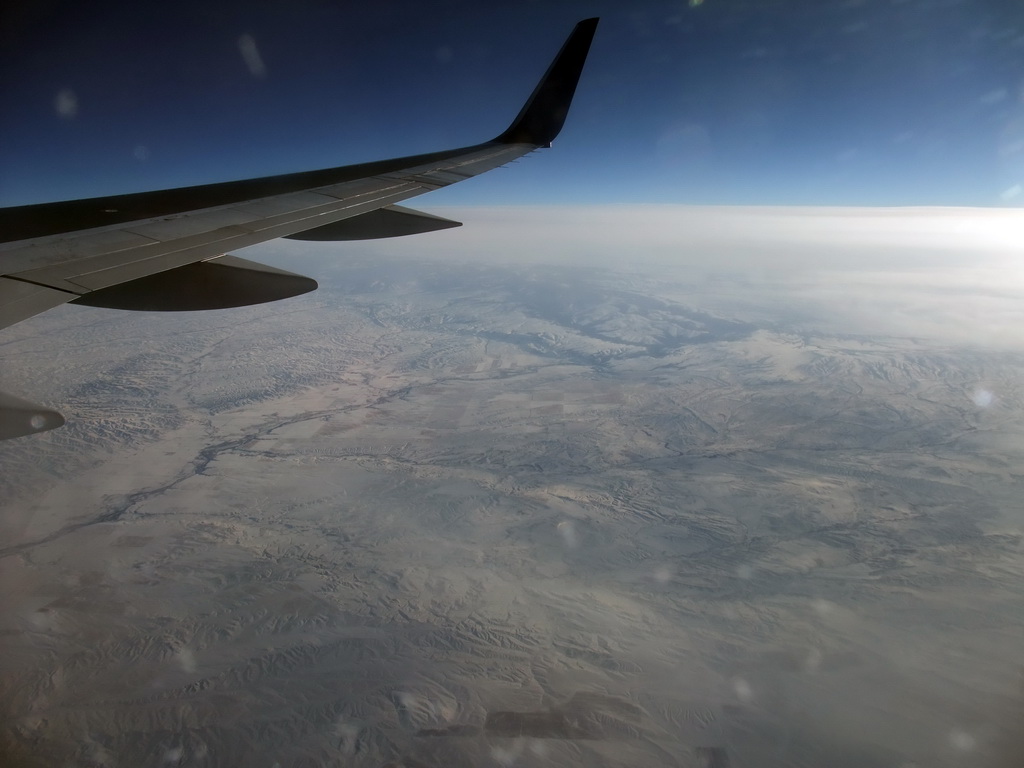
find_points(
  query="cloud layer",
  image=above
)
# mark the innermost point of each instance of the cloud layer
(950, 275)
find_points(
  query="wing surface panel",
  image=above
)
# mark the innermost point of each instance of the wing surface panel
(20, 300)
(63, 261)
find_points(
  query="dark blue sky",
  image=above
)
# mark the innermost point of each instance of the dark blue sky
(855, 102)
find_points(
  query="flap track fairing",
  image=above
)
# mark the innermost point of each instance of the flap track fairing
(219, 283)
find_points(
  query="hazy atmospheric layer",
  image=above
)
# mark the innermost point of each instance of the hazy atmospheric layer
(617, 486)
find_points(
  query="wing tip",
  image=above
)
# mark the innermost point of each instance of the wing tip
(541, 118)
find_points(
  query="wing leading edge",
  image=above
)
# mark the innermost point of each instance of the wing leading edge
(164, 250)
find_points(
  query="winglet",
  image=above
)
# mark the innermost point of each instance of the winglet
(542, 116)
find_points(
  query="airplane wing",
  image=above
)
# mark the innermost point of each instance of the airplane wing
(167, 250)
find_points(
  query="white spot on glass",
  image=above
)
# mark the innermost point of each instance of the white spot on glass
(743, 690)
(251, 56)
(812, 662)
(684, 143)
(348, 736)
(994, 97)
(822, 607)
(66, 103)
(508, 756)
(568, 533)
(983, 398)
(961, 740)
